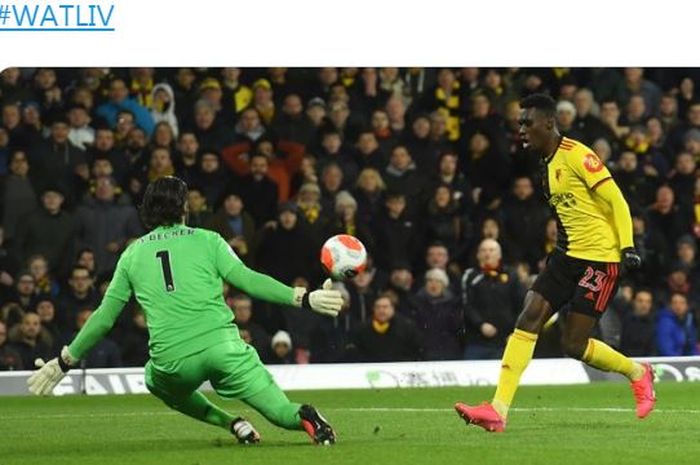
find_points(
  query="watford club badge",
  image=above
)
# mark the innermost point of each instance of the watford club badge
(504, 278)
(592, 163)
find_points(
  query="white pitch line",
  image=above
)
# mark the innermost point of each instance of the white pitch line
(350, 409)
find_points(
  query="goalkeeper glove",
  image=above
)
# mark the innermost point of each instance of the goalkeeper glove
(44, 380)
(630, 259)
(326, 300)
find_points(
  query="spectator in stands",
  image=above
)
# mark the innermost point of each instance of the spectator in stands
(30, 341)
(119, 100)
(566, 117)
(57, 161)
(24, 291)
(10, 359)
(487, 168)
(310, 208)
(637, 338)
(448, 174)
(8, 270)
(135, 343)
(32, 237)
(235, 225)
(163, 136)
(286, 251)
(187, 153)
(292, 124)
(81, 134)
(420, 142)
(401, 175)
(438, 315)
(163, 106)
(346, 221)
(586, 123)
(210, 133)
(237, 95)
(682, 180)
(79, 295)
(638, 187)
(331, 182)
(46, 309)
(330, 338)
(281, 353)
(525, 216)
(676, 136)
(445, 220)
(491, 299)
(18, 194)
(212, 178)
(652, 248)
(86, 257)
(666, 217)
(676, 330)
(199, 213)
(368, 154)
(258, 192)
(334, 151)
(369, 194)
(106, 223)
(636, 84)
(242, 307)
(45, 282)
(397, 237)
(387, 337)
(686, 257)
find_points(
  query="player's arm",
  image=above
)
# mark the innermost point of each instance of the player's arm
(43, 381)
(597, 177)
(262, 286)
(608, 191)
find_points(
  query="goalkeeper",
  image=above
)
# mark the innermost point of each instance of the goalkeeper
(175, 273)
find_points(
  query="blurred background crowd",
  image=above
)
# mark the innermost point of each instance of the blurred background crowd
(423, 165)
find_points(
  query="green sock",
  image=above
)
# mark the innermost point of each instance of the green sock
(274, 405)
(199, 407)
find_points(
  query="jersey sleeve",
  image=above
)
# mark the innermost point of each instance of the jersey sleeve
(225, 258)
(257, 285)
(588, 167)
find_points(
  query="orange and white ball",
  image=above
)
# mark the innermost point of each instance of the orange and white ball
(343, 256)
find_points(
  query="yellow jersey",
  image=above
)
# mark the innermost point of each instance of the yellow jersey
(585, 224)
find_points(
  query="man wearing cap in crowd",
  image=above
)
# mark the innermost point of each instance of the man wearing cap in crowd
(56, 160)
(491, 297)
(438, 316)
(48, 231)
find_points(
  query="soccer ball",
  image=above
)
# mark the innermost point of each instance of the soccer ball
(343, 256)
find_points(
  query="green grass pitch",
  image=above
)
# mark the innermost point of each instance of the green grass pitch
(591, 424)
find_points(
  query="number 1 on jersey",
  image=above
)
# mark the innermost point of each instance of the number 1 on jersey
(164, 256)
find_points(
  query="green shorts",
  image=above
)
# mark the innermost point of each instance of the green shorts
(232, 367)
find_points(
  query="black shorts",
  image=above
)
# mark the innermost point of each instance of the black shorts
(586, 285)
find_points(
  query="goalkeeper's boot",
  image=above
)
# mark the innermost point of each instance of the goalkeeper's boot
(316, 426)
(644, 394)
(483, 415)
(244, 431)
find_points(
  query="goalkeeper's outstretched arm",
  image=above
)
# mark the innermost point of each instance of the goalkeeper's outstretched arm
(261, 286)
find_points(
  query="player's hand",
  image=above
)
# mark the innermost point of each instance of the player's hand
(326, 300)
(630, 259)
(49, 374)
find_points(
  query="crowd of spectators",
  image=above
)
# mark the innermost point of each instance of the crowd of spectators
(423, 165)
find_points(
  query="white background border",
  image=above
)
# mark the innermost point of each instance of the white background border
(371, 32)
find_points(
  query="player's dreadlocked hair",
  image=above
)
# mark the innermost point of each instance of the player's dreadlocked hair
(164, 202)
(541, 102)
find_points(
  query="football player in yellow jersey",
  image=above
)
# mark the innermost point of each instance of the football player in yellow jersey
(594, 236)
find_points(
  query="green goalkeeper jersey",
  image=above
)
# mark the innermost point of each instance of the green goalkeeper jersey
(176, 274)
